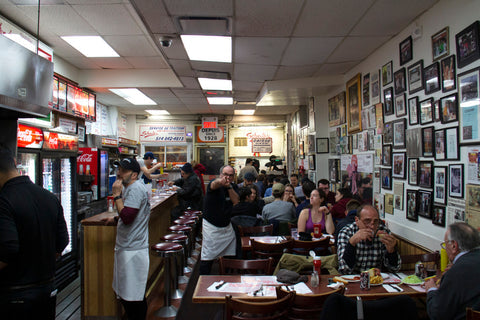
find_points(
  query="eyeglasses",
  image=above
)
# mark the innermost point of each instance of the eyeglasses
(443, 245)
(288, 191)
(228, 175)
(367, 222)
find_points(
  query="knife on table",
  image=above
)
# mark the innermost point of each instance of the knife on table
(395, 288)
(220, 285)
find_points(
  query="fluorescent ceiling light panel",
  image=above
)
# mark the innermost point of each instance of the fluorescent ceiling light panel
(158, 112)
(91, 46)
(208, 48)
(134, 96)
(220, 100)
(248, 112)
(215, 84)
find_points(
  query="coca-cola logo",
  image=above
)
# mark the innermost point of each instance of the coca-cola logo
(85, 157)
(25, 135)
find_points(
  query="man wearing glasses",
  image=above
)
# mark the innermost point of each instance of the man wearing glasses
(367, 244)
(324, 184)
(460, 285)
(218, 234)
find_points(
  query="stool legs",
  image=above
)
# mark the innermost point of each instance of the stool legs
(168, 310)
(177, 293)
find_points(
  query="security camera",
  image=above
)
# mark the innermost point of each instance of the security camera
(165, 41)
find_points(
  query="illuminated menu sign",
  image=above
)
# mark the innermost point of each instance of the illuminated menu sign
(59, 141)
(29, 137)
(69, 98)
(210, 135)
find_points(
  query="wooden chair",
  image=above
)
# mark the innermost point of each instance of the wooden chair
(321, 247)
(307, 306)
(244, 310)
(262, 250)
(256, 231)
(409, 260)
(472, 314)
(237, 266)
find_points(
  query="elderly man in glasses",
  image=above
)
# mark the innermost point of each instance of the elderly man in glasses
(460, 285)
(366, 244)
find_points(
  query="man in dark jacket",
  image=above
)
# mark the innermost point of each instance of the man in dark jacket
(189, 191)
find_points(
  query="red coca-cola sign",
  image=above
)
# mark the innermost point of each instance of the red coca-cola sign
(29, 137)
(87, 162)
(59, 141)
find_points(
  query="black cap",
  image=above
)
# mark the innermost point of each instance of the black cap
(148, 155)
(128, 164)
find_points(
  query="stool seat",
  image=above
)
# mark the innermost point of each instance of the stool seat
(185, 222)
(189, 217)
(174, 237)
(166, 248)
(179, 228)
(197, 212)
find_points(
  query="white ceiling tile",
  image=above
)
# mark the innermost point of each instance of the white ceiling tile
(137, 45)
(266, 18)
(247, 85)
(155, 15)
(148, 62)
(169, 101)
(330, 18)
(190, 82)
(200, 8)
(212, 66)
(82, 62)
(306, 51)
(157, 93)
(259, 50)
(182, 68)
(335, 68)
(188, 101)
(112, 63)
(285, 73)
(176, 49)
(356, 48)
(256, 73)
(187, 93)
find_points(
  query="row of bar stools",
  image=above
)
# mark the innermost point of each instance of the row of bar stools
(167, 250)
(180, 239)
(198, 214)
(191, 237)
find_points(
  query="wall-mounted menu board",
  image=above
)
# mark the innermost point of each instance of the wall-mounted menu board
(72, 99)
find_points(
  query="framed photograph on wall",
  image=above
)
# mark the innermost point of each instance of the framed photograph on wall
(448, 73)
(336, 110)
(440, 44)
(81, 133)
(438, 215)
(386, 176)
(400, 108)
(467, 45)
(366, 89)
(455, 173)
(334, 170)
(311, 162)
(436, 110)
(451, 144)
(379, 118)
(413, 111)
(388, 101)
(449, 108)
(354, 105)
(411, 210)
(440, 144)
(399, 162)
(440, 185)
(415, 77)
(322, 145)
(431, 75)
(414, 144)
(413, 171)
(375, 86)
(425, 203)
(400, 81)
(469, 106)
(388, 132)
(427, 142)
(399, 127)
(425, 174)
(405, 48)
(426, 111)
(387, 155)
(387, 73)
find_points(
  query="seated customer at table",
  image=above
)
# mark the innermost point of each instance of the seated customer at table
(342, 197)
(278, 210)
(246, 206)
(351, 212)
(367, 244)
(316, 213)
(307, 187)
(289, 195)
(460, 285)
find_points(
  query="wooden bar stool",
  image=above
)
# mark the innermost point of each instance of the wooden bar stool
(167, 250)
(182, 267)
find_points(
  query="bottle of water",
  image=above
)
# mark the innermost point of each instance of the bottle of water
(314, 280)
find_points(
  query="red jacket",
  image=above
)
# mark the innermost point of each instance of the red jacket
(199, 170)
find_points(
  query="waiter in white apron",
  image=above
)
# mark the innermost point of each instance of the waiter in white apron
(131, 247)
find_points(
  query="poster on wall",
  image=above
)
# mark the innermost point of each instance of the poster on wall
(473, 170)
(162, 133)
(122, 126)
(262, 145)
(473, 205)
(455, 211)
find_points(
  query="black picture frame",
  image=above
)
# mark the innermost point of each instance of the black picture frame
(414, 143)
(311, 162)
(388, 133)
(322, 145)
(452, 144)
(441, 44)
(428, 149)
(449, 108)
(449, 73)
(334, 170)
(399, 128)
(413, 171)
(425, 174)
(466, 42)
(440, 180)
(387, 155)
(426, 111)
(406, 50)
(411, 205)
(431, 76)
(387, 73)
(424, 200)
(436, 110)
(413, 111)
(456, 180)
(468, 93)
(440, 152)
(81, 133)
(399, 83)
(386, 176)
(388, 101)
(415, 77)
(399, 165)
(401, 105)
(438, 215)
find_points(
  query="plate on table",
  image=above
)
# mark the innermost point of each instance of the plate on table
(412, 280)
(351, 277)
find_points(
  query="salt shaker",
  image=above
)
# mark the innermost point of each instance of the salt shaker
(314, 280)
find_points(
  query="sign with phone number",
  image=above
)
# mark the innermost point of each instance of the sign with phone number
(210, 135)
(261, 145)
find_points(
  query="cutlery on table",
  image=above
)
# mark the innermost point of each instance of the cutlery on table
(395, 288)
(220, 285)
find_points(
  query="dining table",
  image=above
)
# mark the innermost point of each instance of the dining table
(247, 245)
(206, 289)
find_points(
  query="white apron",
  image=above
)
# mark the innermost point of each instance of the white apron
(217, 242)
(130, 274)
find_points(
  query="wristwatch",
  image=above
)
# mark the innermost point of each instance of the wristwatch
(117, 197)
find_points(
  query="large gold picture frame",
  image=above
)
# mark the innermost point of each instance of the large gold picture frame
(354, 105)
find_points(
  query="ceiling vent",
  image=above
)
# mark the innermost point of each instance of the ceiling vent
(212, 74)
(218, 26)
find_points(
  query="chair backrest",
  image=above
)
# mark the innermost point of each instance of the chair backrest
(319, 246)
(262, 250)
(307, 306)
(256, 231)
(409, 260)
(238, 266)
(472, 314)
(244, 310)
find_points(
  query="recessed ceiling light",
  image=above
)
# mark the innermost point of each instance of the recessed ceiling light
(158, 112)
(220, 100)
(248, 112)
(208, 48)
(134, 96)
(215, 84)
(91, 46)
